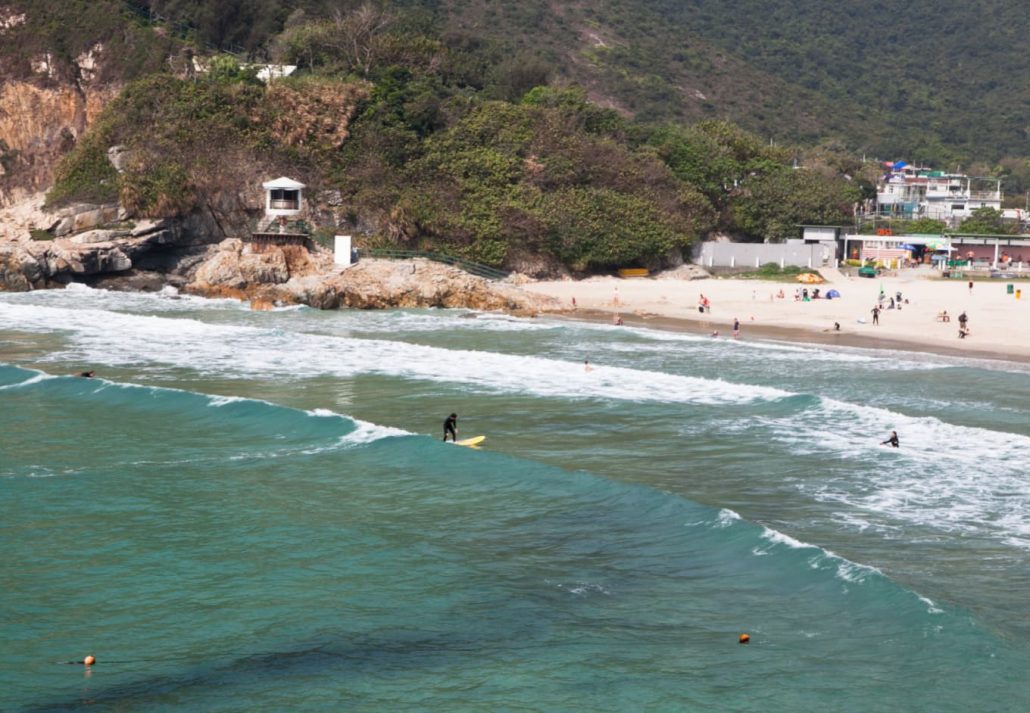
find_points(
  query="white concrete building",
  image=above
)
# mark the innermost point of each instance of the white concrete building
(283, 197)
(917, 192)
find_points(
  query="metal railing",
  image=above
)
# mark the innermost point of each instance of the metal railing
(473, 268)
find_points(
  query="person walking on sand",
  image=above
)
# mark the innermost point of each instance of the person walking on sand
(736, 328)
(893, 440)
(962, 321)
(450, 426)
(970, 287)
(876, 314)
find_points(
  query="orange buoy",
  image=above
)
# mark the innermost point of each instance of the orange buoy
(744, 639)
(89, 660)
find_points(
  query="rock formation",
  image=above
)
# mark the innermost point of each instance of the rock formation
(150, 255)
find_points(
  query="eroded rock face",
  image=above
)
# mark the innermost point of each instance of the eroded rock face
(39, 125)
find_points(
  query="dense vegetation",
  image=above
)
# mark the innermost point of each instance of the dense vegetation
(928, 82)
(461, 126)
(432, 141)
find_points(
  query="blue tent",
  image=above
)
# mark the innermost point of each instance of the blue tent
(832, 294)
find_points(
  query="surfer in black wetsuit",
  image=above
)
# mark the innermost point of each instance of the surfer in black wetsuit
(893, 440)
(451, 426)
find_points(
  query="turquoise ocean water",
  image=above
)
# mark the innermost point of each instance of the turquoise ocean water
(253, 511)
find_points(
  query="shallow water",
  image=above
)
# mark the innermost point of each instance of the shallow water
(252, 510)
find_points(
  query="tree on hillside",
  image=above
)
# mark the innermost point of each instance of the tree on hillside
(987, 221)
(773, 206)
(354, 41)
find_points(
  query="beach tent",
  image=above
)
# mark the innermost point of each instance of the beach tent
(833, 294)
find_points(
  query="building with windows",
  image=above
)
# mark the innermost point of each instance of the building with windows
(911, 192)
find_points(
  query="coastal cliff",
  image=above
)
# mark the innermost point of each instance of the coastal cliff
(38, 126)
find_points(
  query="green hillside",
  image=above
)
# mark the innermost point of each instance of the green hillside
(526, 135)
(941, 83)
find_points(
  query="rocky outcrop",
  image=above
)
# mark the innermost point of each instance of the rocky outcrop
(151, 255)
(169, 250)
(371, 284)
(684, 272)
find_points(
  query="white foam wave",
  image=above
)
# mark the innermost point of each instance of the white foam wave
(28, 382)
(219, 401)
(779, 538)
(946, 477)
(167, 299)
(368, 432)
(726, 518)
(102, 337)
(931, 608)
(856, 573)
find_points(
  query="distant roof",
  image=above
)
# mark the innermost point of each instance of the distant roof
(282, 182)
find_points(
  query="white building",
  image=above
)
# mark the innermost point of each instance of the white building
(914, 192)
(283, 197)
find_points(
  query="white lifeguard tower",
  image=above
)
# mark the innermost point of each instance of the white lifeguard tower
(283, 197)
(283, 222)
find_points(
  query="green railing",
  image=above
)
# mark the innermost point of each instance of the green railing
(473, 268)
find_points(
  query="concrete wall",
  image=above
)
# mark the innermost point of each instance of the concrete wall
(751, 255)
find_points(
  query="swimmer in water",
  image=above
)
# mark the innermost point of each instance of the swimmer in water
(86, 374)
(893, 440)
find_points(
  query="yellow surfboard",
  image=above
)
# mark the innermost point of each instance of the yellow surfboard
(472, 442)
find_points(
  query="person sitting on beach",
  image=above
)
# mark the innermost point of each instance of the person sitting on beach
(963, 332)
(780, 294)
(893, 440)
(943, 316)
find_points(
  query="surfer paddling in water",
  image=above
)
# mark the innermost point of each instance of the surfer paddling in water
(451, 426)
(893, 440)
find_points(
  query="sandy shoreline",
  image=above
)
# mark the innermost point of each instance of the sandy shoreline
(999, 323)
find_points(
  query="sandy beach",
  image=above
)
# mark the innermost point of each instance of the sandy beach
(999, 323)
